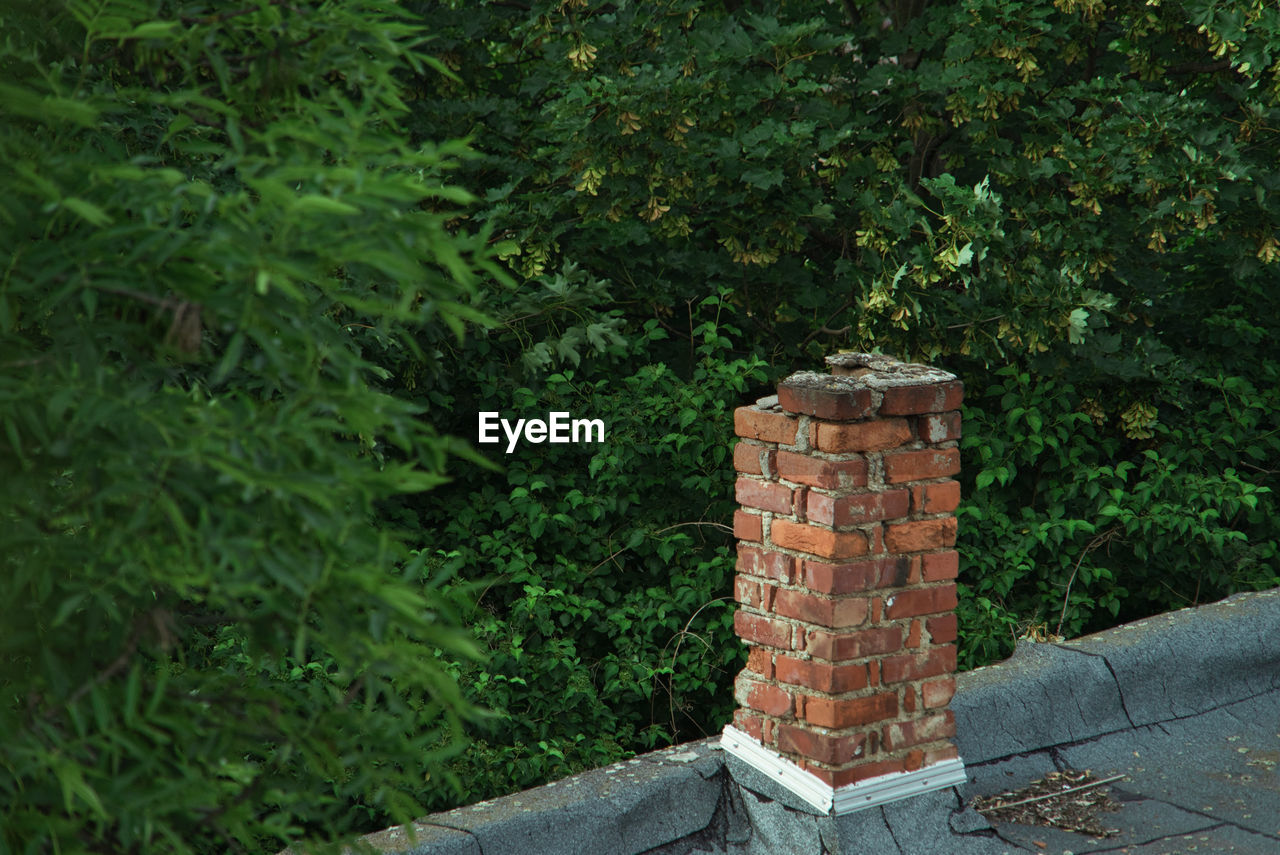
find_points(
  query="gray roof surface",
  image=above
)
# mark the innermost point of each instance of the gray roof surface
(1185, 705)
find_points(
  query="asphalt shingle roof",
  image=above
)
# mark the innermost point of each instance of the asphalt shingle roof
(1185, 705)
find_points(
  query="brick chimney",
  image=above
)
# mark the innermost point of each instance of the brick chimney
(846, 582)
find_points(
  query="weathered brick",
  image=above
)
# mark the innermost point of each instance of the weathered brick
(921, 601)
(822, 542)
(938, 693)
(766, 426)
(816, 472)
(762, 630)
(822, 610)
(856, 509)
(941, 566)
(746, 591)
(748, 526)
(749, 723)
(940, 427)
(760, 660)
(842, 646)
(822, 676)
(941, 498)
(919, 535)
(845, 775)
(913, 634)
(850, 712)
(934, 662)
(765, 495)
(903, 466)
(762, 697)
(746, 458)
(917, 400)
(942, 630)
(928, 728)
(755, 561)
(878, 435)
(937, 755)
(849, 578)
(835, 749)
(824, 403)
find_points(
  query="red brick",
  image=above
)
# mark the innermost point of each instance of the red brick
(875, 540)
(938, 693)
(816, 472)
(799, 499)
(913, 634)
(746, 590)
(835, 403)
(929, 728)
(940, 427)
(746, 458)
(919, 535)
(759, 629)
(903, 466)
(890, 572)
(762, 697)
(748, 526)
(921, 601)
(914, 400)
(915, 666)
(766, 426)
(913, 760)
(824, 611)
(941, 566)
(856, 509)
(822, 542)
(878, 435)
(822, 676)
(941, 498)
(749, 723)
(843, 646)
(765, 495)
(765, 562)
(937, 755)
(853, 774)
(908, 701)
(942, 630)
(850, 712)
(760, 660)
(835, 749)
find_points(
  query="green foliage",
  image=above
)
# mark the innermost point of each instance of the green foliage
(1072, 204)
(209, 222)
(604, 570)
(217, 239)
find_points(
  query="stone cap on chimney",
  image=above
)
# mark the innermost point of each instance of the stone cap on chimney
(864, 385)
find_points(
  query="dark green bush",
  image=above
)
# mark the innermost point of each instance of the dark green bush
(1072, 204)
(211, 643)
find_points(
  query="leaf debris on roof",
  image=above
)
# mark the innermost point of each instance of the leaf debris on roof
(1069, 800)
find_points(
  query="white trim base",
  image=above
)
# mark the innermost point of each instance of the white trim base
(870, 793)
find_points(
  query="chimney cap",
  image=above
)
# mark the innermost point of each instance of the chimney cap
(878, 371)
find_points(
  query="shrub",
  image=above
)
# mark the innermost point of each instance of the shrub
(211, 642)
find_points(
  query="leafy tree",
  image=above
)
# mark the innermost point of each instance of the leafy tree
(213, 640)
(1072, 204)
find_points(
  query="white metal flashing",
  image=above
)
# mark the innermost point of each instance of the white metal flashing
(804, 784)
(870, 793)
(874, 792)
